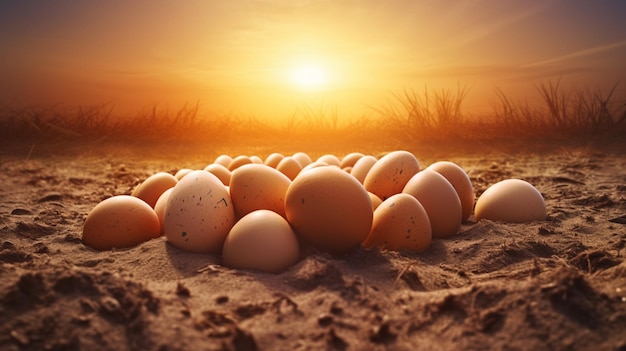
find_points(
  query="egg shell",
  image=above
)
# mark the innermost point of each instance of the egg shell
(198, 214)
(314, 164)
(273, 159)
(262, 240)
(302, 158)
(256, 159)
(329, 159)
(362, 166)
(400, 222)
(376, 201)
(329, 209)
(460, 182)
(182, 172)
(350, 159)
(440, 201)
(120, 221)
(220, 172)
(160, 205)
(238, 162)
(390, 173)
(290, 167)
(223, 160)
(511, 200)
(151, 189)
(257, 186)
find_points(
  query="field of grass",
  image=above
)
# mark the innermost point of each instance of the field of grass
(430, 119)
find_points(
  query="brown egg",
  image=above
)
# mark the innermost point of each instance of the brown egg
(440, 201)
(152, 188)
(262, 240)
(461, 183)
(400, 222)
(223, 160)
(220, 172)
(350, 159)
(330, 160)
(238, 162)
(182, 172)
(302, 158)
(256, 159)
(390, 173)
(511, 200)
(120, 221)
(273, 159)
(376, 201)
(362, 166)
(257, 186)
(289, 166)
(329, 209)
(159, 207)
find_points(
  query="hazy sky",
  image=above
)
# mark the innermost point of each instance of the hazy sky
(243, 57)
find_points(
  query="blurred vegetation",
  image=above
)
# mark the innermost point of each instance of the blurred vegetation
(427, 118)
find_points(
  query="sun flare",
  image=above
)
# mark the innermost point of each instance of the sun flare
(309, 76)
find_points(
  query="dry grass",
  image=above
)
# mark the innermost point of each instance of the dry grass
(427, 118)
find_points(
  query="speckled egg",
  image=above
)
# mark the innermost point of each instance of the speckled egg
(400, 222)
(199, 213)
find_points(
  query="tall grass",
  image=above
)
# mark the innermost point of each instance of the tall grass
(412, 117)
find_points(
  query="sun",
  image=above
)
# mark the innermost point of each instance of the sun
(309, 76)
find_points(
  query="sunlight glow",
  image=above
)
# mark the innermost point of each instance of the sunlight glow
(309, 76)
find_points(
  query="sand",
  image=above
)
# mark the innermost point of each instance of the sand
(558, 284)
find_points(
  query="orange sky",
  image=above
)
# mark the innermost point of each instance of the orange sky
(241, 57)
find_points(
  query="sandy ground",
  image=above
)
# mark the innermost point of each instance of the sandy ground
(558, 284)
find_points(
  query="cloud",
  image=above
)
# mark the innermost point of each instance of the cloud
(580, 53)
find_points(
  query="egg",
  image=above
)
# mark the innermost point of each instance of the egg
(223, 160)
(302, 158)
(151, 189)
(238, 162)
(159, 207)
(511, 200)
(400, 222)
(262, 240)
(256, 187)
(460, 182)
(362, 166)
(440, 200)
(390, 173)
(330, 160)
(273, 159)
(289, 166)
(182, 172)
(120, 221)
(376, 201)
(329, 209)
(198, 214)
(220, 171)
(350, 159)
(314, 164)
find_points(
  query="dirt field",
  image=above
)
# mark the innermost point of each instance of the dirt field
(558, 284)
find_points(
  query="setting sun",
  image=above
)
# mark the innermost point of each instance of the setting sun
(309, 76)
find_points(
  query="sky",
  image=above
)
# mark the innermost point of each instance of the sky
(269, 58)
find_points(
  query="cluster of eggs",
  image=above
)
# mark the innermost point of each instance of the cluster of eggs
(258, 213)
